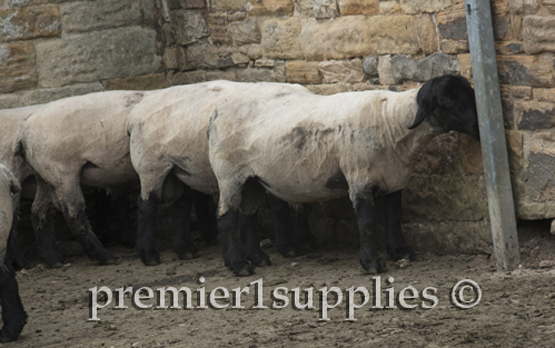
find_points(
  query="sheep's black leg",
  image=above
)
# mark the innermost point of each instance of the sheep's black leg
(304, 238)
(42, 218)
(181, 226)
(13, 314)
(396, 245)
(249, 236)
(14, 254)
(146, 241)
(126, 234)
(206, 217)
(284, 231)
(366, 218)
(102, 204)
(230, 242)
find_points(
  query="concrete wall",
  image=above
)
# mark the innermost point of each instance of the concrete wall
(53, 48)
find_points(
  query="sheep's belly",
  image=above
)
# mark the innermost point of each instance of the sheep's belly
(304, 194)
(118, 174)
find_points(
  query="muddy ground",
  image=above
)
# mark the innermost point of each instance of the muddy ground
(517, 308)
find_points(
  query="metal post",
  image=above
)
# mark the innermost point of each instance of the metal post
(492, 133)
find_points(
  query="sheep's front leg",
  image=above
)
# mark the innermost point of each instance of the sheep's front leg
(13, 314)
(126, 234)
(231, 245)
(304, 238)
(146, 243)
(181, 226)
(396, 245)
(247, 226)
(366, 218)
(284, 231)
(42, 218)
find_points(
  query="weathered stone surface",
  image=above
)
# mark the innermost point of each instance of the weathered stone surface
(228, 5)
(339, 38)
(521, 92)
(245, 32)
(515, 149)
(370, 68)
(470, 153)
(465, 65)
(256, 75)
(419, 6)
(25, 3)
(46, 95)
(138, 83)
(539, 34)
(434, 65)
(342, 71)
(188, 26)
(280, 38)
(201, 56)
(218, 27)
(254, 52)
(29, 23)
(170, 58)
(385, 71)
(509, 47)
(428, 40)
(392, 35)
(183, 59)
(302, 72)
(186, 4)
(279, 71)
(17, 66)
(325, 9)
(274, 8)
(535, 115)
(303, 8)
(84, 16)
(389, 7)
(454, 47)
(500, 16)
(525, 70)
(451, 24)
(167, 38)
(188, 77)
(544, 94)
(112, 53)
(264, 63)
(539, 174)
(236, 16)
(525, 6)
(221, 75)
(358, 7)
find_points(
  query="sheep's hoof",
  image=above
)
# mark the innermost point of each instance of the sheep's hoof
(260, 259)
(245, 272)
(402, 253)
(376, 266)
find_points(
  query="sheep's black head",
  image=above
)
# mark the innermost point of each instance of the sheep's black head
(449, 103)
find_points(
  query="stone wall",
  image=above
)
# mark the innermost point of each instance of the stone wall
(54, 48)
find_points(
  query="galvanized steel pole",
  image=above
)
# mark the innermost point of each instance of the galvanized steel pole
(492, 133)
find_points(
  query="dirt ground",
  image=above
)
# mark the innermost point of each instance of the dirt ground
(517, 308)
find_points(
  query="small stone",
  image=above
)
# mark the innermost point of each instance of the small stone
(547, 264)
(370, 67)
(402, 264)
(266, 243)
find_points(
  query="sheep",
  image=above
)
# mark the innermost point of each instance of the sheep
(70, 141)
(13, 314)
(303, 147)
(168, 133)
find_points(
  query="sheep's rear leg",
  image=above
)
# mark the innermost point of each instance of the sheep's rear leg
(285, 244)
(126, 234)
(366, 218)
(13, 314)
(305, 239)
(73, 207)
(181, 226)
(102, 204)
(14, 253)
(42, 218)
(146, 242)
(397, 248)
(231, 245)
(247, 226)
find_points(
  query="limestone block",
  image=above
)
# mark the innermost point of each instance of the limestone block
(419, 6)
(138, 83)
(29, 23)
(112, 53)
(188, 77)
(218, 27)
(17, 66)
(302, 72)
(245, 32)
(533, 115)
(525, 70)
(325, 9)
(538, 175)
(539, 34)
(454, 46)
(358, 7)
(370, 67)
(385, 70)
(188, 26)
(84, 16)
(393, 35)
(451, 23)
(428, 40)
(280, 38)
(434, 65)
(221, 75)
(275, 8)
(339, 38)
(256, 75)
(341, 71)
(170, 58)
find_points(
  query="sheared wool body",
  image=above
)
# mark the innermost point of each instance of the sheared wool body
(304, 147)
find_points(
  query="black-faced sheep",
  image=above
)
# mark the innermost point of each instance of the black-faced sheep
(69, 142)
(13, 314)
(168, 131)
(303, 147)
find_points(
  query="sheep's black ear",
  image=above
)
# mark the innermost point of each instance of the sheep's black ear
(427, 102)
